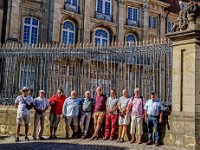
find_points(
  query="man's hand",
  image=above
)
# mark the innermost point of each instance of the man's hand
(161, 120)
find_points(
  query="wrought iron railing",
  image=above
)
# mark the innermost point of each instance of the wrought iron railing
(133, 23)
(146, 65)
(102, 16)
(72, 8)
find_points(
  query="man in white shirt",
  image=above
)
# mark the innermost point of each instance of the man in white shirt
(40, 104)
(70, 112)
(23, 103)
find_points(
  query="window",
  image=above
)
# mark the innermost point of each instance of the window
(30, 30)
(104, 7)
(72, 5)
(152, 22)
(170, 25)
(131, 38)
(101, 37)
(133, 16)
(68, 33)
(27, 76)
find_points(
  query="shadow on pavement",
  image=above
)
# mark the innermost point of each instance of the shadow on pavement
(56, 146)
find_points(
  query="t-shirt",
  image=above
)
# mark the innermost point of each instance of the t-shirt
(123, 102)
(56, 104)
(111, 103)
(40, 103)
(153, 107)
(87, 104)
(22, 101)
(71, 107)
(100, 103)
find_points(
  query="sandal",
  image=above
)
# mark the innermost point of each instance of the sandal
(121, 140)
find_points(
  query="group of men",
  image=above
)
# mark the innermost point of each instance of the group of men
(79, 111)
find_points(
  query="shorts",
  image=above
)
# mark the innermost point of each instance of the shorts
(54, 120)
(124, 120)
(98, 117)
(21, 118)
(69, 119)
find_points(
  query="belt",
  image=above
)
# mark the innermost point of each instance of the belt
(153, 116)
(87, 111)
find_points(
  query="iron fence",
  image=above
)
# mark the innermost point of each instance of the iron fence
(146, 65)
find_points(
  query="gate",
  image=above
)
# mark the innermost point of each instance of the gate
(146, 65)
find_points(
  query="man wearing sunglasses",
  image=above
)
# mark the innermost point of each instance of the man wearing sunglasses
(23, 103)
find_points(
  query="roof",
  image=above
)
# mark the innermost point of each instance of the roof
(174, 5)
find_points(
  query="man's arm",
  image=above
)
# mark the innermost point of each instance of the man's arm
(161, 117)
(16, 105)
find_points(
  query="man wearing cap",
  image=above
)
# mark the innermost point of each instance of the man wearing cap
(40, 104)
(136, 104)
(23, 103)
(153, 116)
(56, 102)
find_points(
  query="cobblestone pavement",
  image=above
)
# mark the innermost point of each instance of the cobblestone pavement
(7, 143)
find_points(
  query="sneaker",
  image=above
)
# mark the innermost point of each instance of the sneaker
(55, 137)
(41, 138)
(157, 143)
(34, 139)
(17, 139)
(149, 143)
(27, 139)
(51, 137)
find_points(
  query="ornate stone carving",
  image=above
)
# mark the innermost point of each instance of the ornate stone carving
(187, 15)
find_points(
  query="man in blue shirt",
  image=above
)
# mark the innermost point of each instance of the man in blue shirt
(70, 112)
(153, 116)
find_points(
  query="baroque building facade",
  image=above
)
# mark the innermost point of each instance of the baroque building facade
(85, 21)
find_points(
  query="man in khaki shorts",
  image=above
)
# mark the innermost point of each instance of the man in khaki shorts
(99, 112)
(23, 103)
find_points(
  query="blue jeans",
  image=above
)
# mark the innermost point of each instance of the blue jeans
(153, 123)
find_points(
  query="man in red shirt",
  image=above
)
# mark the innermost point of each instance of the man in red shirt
(56, 102)
(99, 112)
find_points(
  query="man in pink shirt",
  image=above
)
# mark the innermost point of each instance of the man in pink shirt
(137, 105)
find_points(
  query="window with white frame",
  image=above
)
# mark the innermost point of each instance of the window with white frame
(104, 7)
(133, 15)
(131, 38)
(72, 2)
(27, 75)
(68, 32)
(170, 25)
(152, 22)
(101, 37)
(30, 30)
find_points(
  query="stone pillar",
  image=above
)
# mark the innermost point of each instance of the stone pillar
(87, 14)
(1, 20)
(120, 21)
(162, 25)
(14, 20)
(56, 30)
(145, 20)
(185, 117)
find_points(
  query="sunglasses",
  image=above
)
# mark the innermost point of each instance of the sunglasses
(24, 90)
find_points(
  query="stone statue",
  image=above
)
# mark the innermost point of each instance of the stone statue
(187, 15)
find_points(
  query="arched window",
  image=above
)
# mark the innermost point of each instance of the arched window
(30, 30)
(101, 37)
(131, 38)
(68, 32)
